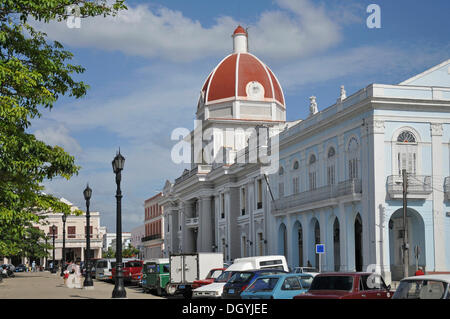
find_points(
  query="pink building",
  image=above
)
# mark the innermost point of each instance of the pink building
(153, 241)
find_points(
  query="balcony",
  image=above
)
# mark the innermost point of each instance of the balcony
(151, 237)
(192, 222)
(419, 186)
(349, 187)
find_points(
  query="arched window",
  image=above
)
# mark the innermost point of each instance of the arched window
(296, 165)
(331, 166)
(312, 172)
(406, 152)
(353, 158)
(281, 171)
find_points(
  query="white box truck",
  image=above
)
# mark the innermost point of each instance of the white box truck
(188, 267)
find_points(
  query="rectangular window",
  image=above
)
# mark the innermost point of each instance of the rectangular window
(295, 185)
(330, 175)
(50, 231)
(259, 194)
(222, 208)
(243, 201)
(71, 232)
(312, 180)
(280, 190)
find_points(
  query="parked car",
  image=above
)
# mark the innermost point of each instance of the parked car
(155, 275)
(240, 281)
(21, 268)
(132, 271)
(278, 286)
(213, 274)
(306, 270)
(424, 287)
(215, 289)
(347, 285)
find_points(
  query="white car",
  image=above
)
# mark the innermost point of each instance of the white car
(215, 289)
(423, 287)
(306, 270)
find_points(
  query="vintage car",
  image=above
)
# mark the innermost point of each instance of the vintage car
(155, 275)
(278, 286)
(347, 285)
(424, 287)
(213, 274)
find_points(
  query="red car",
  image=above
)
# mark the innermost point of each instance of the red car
(213, 274)
(132, 271)
(347, 285)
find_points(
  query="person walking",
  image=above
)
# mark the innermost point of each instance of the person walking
(33, 266)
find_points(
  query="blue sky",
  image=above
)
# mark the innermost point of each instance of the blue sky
(146, 68)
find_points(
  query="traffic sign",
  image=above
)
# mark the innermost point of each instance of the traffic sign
(320, 249)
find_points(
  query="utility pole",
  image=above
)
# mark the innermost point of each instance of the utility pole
(405, 230)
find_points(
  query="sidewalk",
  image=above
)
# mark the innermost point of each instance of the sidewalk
(44, 285)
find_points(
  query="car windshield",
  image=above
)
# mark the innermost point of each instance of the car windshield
(102, 264)
(420, 289)
(151, 268)
(241, 277)
(224, 277)
(133, 264)
(214, 274)
(332, 283)
(263, 284)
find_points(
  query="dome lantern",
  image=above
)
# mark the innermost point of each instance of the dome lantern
(240, 40)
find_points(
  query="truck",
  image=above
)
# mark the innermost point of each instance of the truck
(188, 267)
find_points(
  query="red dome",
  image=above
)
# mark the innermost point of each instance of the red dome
(230, 79)
(240, 30)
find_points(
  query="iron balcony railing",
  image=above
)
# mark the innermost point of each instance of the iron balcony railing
(348, 187)
(151, 237)
(447, 187)
(417, 184)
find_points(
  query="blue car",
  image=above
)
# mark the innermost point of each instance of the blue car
(278, 286)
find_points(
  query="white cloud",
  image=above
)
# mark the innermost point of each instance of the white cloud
(59, 135)
(299, 28)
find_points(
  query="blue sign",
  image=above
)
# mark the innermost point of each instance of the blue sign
(320, 249)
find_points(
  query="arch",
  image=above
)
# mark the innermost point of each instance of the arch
(296, 165)
(336, 244)
(297, 244)
(415, 237)
(312, 159)
(281, 171)
(313, 240)
(282, 240)
(358, 228)
(331, 152)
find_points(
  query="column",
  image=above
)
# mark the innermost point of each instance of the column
(205, 225)
(438, 198)
(343, 237)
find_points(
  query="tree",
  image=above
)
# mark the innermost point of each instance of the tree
(34, 73)
(110, 253)
(130, 252)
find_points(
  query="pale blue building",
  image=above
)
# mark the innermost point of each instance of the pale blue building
(340, 180)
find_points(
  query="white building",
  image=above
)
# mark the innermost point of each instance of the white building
(137, 234)
(109, 240)
(75, 238)
(338, 180)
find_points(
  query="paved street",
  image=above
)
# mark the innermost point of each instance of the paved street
(44, 285)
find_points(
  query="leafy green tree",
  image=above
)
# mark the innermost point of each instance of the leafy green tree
(130, 252)
(34, 73)
(110, 253)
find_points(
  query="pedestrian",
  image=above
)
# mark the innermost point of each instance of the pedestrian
(67, 272)
(33, 266)
(309, 263)
(419, 272)
(51, 265)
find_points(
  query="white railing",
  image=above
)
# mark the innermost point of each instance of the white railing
(348, 187)
(417, 184)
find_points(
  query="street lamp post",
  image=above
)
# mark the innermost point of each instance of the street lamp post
(88, 279)
(46, 253)
(53, 262)
(405, 227)
(63, 259)
(119, 289)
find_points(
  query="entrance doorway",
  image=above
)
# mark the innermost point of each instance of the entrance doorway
(358, 243)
